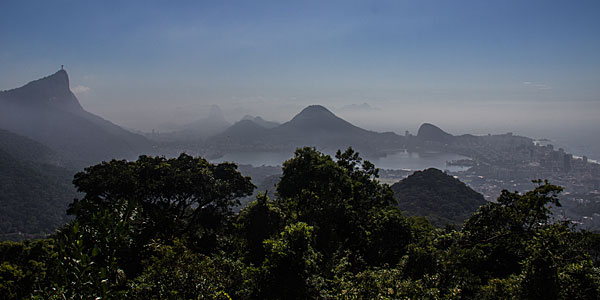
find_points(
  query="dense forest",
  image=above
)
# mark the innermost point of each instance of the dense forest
(439, 197)
(36, 188)
(160, 228)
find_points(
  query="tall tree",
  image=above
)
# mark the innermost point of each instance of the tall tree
(339, 198)
(157, 198)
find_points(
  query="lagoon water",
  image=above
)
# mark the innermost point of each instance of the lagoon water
(395, 161)
(419, 161)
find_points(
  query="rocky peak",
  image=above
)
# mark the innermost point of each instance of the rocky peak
(50, 91)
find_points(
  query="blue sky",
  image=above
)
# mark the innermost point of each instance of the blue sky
(140, 63)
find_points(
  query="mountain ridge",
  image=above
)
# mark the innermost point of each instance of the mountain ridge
(35, 188)
(52, 90)
(314, 126)
(46, 111)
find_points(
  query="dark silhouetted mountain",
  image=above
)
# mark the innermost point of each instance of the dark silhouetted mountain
(317, 126)
(441, 198)
(313, 126)
(47, 111)
(34, 189)
(317, 119)
(260, 121)
(430, 132)
(51, 91)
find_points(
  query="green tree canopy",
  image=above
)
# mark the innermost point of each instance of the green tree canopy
(173, 195)
(342, 199)
(160, 228)
(128, 204)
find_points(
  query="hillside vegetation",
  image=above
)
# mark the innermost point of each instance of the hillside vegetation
(36, 189)
(443, 199)
(159, 228)
(45, 110)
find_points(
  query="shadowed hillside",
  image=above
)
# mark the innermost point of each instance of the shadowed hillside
(47, 111)
(34, 189)
(441, 198)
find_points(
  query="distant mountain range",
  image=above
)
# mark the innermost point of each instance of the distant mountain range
(46, 111)
(317, 126)
(313, 126)
(46, 136)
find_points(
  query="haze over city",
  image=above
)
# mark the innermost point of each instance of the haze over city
(529, 67)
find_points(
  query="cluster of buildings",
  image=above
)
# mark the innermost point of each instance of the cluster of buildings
(511, 162)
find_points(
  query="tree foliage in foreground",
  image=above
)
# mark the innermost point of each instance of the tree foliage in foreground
(160, 228)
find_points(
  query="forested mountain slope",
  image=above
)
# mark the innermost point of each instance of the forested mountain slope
(441, 198)
(47, 111)
(159, 228)
(35, 188)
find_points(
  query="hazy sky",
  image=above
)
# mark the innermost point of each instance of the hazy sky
(466, 65)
